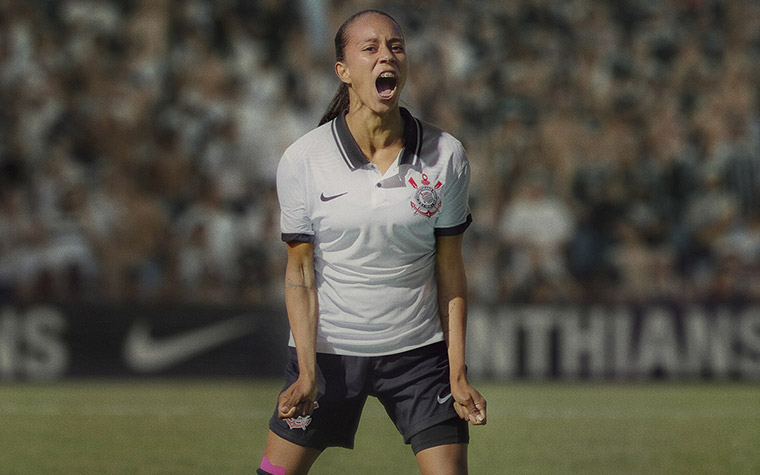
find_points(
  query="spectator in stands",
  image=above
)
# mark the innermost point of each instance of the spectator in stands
(710, 215)
(536, 228)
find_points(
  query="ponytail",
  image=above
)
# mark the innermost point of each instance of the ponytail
(338, 105)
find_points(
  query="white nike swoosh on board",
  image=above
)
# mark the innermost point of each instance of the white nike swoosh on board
(147, 354)
(441, 400)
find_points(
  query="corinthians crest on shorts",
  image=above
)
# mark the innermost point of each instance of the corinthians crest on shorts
(427, 197)
(300, 422)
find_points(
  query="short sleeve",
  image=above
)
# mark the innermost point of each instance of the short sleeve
(295, 222)
(455, 215)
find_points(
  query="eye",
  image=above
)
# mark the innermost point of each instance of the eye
(370, 48)
(397, 48)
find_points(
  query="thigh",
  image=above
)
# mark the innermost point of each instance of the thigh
(293, 458)
(448, 459)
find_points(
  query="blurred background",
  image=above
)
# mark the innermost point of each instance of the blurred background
(615, 149)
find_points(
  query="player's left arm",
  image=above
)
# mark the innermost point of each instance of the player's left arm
(452, 301)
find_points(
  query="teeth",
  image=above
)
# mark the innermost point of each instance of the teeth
(387, 75)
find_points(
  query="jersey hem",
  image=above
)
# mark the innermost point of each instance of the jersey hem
(321, 348)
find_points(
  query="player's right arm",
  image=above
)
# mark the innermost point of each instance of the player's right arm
(302, 307)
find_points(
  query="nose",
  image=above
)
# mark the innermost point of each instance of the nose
(386, 54)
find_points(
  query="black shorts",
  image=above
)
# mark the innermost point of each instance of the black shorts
(413, 387)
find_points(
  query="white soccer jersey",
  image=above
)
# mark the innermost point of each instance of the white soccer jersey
(374, 234)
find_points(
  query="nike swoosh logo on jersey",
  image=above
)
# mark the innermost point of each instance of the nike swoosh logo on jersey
(442, 400)
(148, 354)
(328, 198)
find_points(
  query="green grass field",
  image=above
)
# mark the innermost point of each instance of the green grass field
(218, 427)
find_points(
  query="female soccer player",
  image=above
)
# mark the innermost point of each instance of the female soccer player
(373, 207)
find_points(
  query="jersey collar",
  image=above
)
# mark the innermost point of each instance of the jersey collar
(354, 157)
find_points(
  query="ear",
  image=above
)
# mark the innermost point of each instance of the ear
(343, 73)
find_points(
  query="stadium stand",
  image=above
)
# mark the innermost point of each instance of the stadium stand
(615, 146)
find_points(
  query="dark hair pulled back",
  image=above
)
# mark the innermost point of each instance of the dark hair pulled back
(340, 101)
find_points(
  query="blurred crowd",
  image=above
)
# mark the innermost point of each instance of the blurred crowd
(615, 145)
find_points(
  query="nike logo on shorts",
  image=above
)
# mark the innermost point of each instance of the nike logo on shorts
(442, 400)
(328, 198)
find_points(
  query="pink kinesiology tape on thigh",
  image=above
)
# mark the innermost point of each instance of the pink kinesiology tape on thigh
(267, 466)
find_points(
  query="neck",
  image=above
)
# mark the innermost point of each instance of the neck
(371, 129)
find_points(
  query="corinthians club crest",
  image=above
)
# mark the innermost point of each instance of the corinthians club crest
(427, 200)
(300, 422)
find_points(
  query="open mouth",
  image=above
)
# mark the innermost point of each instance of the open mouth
(386, 84)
